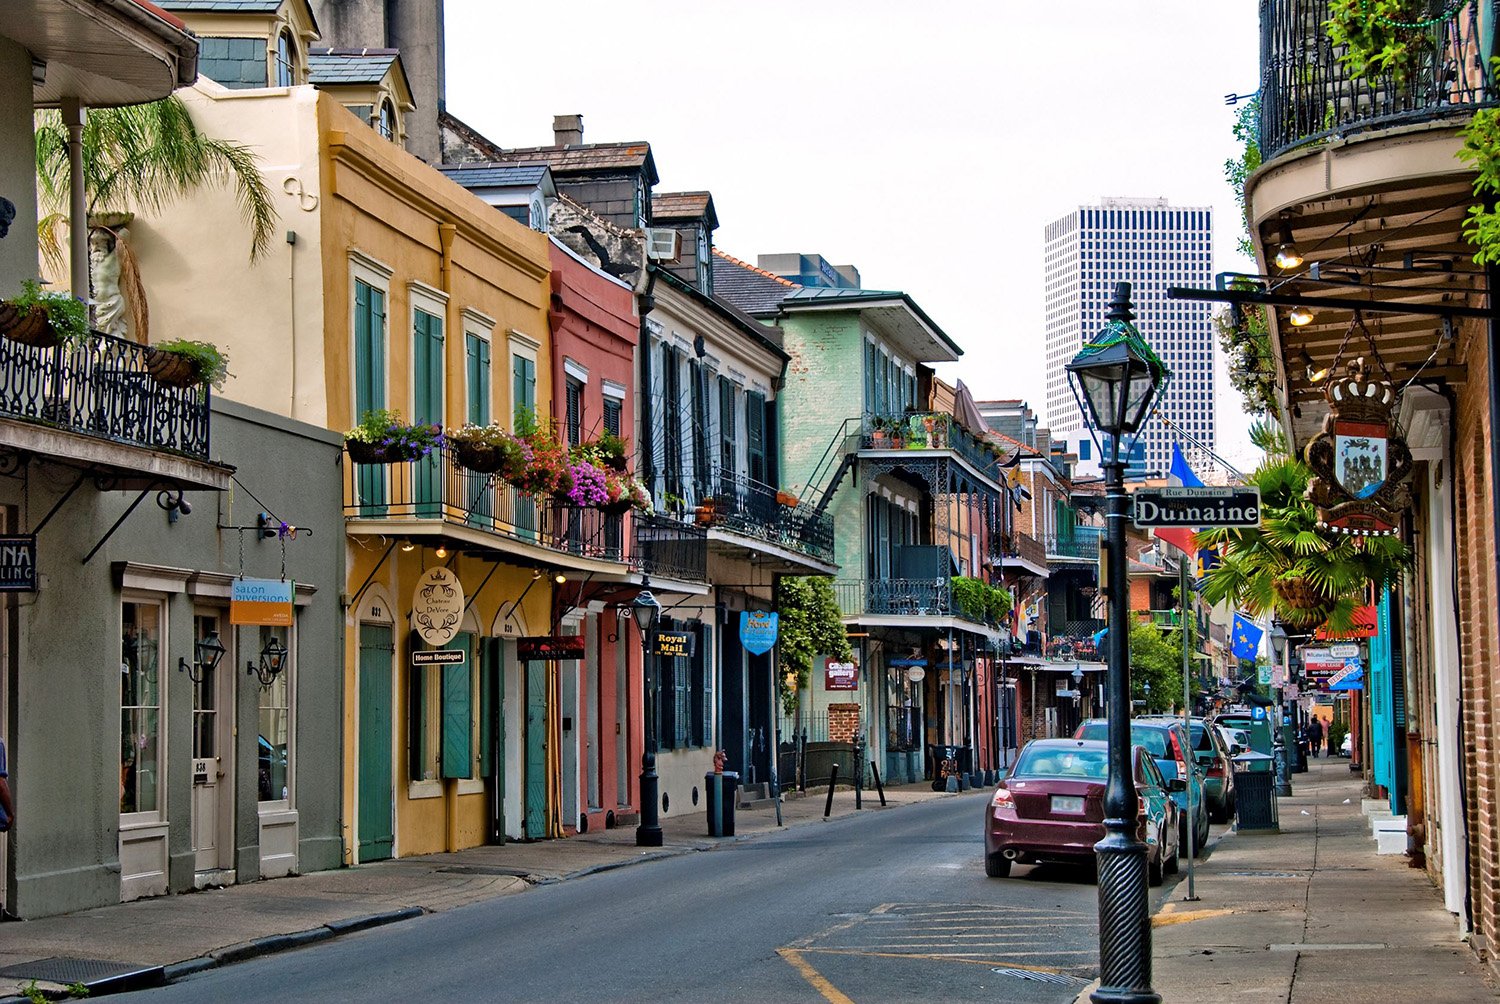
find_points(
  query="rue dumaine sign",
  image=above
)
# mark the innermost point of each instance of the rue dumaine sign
(1197, 507)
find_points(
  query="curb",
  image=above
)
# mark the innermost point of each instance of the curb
(274, 943)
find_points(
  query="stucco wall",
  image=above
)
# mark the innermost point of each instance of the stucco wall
(18, 259)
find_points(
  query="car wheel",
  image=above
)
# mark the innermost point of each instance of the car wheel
(1202, 836)
(1170, 864)
(996, 866)
(1154, 867)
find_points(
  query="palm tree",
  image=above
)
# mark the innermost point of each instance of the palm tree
(143, 157)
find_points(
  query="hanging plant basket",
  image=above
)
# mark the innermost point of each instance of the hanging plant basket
(1301, 601)
(616, 508)
(29, 327)
(361, 452)
(479, 457)
(615, 463)
(172, 370)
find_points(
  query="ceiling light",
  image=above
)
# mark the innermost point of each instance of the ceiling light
(1301, 316)
(559, 578)
(1287, 256)
(442, 551)
(1314, 374)
(408, 547)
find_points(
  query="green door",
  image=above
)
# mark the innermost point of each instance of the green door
(492, 732)
(427, 406)
(523, 397)
(375, 805)
(536, 751)
(369, 387)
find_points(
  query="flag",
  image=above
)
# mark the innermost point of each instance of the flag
(1180, 475)
(1246, 638)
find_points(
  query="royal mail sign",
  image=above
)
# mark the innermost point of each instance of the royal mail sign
(1197, 507)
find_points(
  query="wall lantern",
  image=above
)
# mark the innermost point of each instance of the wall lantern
(272, 662)
(206, 655)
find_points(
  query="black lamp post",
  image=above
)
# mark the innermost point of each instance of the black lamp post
(1116, 377)
(645, 609)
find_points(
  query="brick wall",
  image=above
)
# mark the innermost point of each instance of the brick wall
(843, 722)
(1477, 634)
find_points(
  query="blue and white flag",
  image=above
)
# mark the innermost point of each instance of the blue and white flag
(1246, 639)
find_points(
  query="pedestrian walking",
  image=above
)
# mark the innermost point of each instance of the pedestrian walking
(1315, 736)
(7, 807)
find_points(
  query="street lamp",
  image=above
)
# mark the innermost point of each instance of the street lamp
(1115, 378)
(645, 610)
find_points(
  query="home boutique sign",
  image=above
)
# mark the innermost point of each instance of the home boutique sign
(1197, 507)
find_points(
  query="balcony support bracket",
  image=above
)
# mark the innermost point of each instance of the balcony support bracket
(169, 498)
(83, 476)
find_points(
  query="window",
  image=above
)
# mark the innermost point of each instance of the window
(141, 753)
(369, 344)
(613, 409)
(523, 389)
(641, 215)
(574, 415)
(700, 430)
(671, 372)
(286, 59)
(685, 694)
(755, 435)
(477, 376)
(728, 430)
(705, 266)
(274, 747)
(386, 124)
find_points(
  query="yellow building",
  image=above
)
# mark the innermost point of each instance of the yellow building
(395, 288)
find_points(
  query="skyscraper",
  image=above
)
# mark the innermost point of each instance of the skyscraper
(1153, 246)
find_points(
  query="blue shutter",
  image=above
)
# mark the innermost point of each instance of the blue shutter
(457, 756)
(477, 373)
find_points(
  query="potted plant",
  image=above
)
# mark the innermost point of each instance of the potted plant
(707, 506)
(613, 452)
(624, 493)
(381, 437)
(585, 485)
(787, 499)
(480, 448)
(879, 432)
(44, 319)
(183, 362)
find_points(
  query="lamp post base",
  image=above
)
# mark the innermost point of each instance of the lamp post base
(648, 833)
(1124, 920)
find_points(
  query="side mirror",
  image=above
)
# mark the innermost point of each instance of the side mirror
(1207, 757)
(1177, 784)
(1236, 749)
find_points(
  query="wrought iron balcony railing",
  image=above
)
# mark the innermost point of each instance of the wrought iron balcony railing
(928, 431)
(1022, 546)
(751, 508)
(438, 488)
(1082, 544)
(1307, 95)
(900, 597)
(670, 549)
(102, 389)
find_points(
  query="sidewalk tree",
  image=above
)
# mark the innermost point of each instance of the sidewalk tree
(809, 625)
(1155, 658)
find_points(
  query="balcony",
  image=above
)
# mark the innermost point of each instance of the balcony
(1020, 550)
(748, 508)
(901, 598)
(1165, 620)
(75, 404)
(1081, 545)
(1307, 96)
(929, 431)
(435, 494)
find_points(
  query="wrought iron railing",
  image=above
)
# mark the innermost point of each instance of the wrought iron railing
(438, 488)
(929, 430)
(1021, 545)
(102, 389)
(1080, 648)
(1307, 95)
(910, 597)
(745, 506)
(1082, 543)
(670, 549)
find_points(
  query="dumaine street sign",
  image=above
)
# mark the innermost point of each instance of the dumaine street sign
(1197, 507)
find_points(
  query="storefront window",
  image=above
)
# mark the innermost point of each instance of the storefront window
(140, 708)
(274, 747)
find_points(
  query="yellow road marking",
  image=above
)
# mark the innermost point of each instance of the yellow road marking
(948, 958)
(1166, 920)
(819, 983)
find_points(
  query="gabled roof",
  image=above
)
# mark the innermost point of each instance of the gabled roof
(757, 332)
(754, 290)
(666, 206)
(490, 175)
(349, 66)
(221, 6)
(589, 158)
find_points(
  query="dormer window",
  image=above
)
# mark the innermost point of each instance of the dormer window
(386, 123)
(286, 59)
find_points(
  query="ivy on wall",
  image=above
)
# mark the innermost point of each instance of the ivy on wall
(808, 625)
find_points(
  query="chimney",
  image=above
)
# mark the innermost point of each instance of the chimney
(567, 130)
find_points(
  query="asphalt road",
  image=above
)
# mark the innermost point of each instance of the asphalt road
(886, 906)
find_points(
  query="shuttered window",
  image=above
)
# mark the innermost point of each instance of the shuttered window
(672, 431)
(612, 409)
(728, 429)
(573, 392)
(489, 703)
(702, 696)
(477, 373)
(700, 430)
(369, 348)
(523, 387)
(457, 752)
(755, 435)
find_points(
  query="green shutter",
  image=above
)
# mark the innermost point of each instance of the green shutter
(727, 428)
(755, 435)
(489, 695)
(457, 756)
(523, 387)
(427, 332)
(416, 719)
(369, 348)
(477, 371)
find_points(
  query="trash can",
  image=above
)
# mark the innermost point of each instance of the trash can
(722, 793)
(1254, 793)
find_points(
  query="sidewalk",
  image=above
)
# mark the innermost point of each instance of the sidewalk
(1312, 914)
(174, 935)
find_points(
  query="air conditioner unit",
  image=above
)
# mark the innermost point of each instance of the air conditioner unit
(662, 244)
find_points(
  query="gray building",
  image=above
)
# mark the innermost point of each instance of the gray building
(1152, 245)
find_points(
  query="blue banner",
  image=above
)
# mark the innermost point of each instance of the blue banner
(758, 631)
(1246, 639)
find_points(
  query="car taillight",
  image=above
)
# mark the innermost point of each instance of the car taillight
(1142, 806)
(1002, 799)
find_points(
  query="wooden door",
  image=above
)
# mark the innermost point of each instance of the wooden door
(376, 829)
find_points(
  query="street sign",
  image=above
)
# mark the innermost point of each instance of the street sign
(1197, 507)
(438, 657)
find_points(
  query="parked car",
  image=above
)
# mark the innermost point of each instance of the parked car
(1050, 807)
(1168, 744)
(1213, 755)
(1238, 740)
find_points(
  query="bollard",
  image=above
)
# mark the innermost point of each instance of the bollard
(833, 779)
(879, 788)
(859, 776)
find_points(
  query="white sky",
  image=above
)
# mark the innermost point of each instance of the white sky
(927, 143)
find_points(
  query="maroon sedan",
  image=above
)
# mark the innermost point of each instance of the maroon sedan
(1050, 807)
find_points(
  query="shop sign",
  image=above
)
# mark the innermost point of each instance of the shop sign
(261, 601)
(550, 648)
(840, 675)
(675, 644)
(1197, 507)
(758, 631)
(1344, 650)
(908, 662)
(437, 606)
(1366, 621)
(439, 657)
(1359, 461)
(18, 563)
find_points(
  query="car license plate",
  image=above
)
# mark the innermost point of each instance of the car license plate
(1067, 803)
